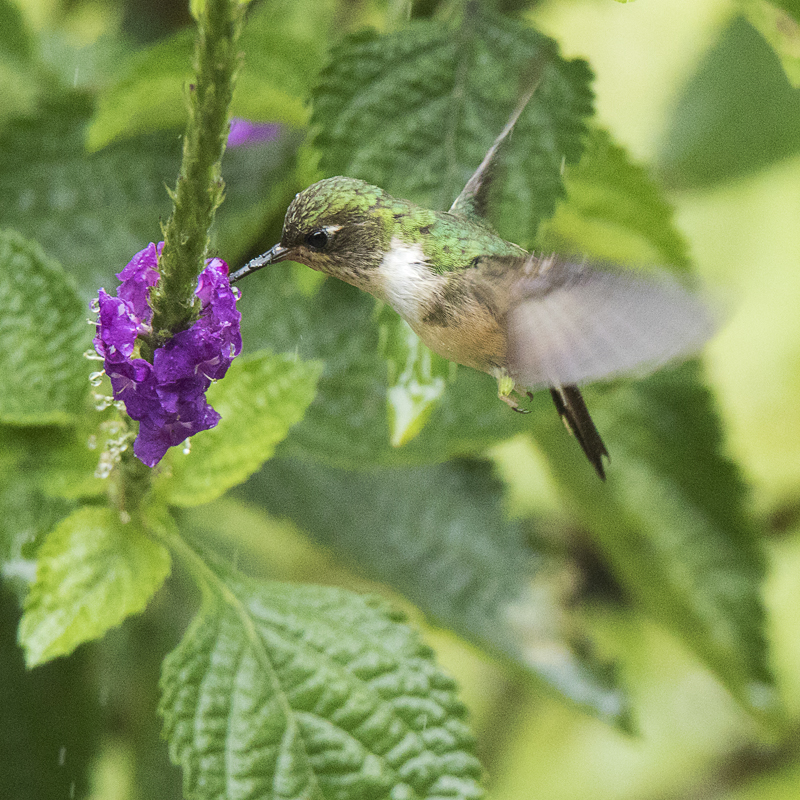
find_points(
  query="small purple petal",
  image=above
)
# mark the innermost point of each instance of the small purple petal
(247, 132)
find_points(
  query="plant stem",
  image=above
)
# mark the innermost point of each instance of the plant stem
(199, 189)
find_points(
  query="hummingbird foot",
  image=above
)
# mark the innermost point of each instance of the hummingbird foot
(505, 391)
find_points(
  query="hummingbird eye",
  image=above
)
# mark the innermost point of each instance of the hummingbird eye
(316, 240)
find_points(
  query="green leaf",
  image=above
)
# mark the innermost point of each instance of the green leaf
(738, 114)
(259, 399)
(93, 571)
(438, 535)
(672, 520)
(283, 43)
(417, 377)
(613, 211)
(43, 333)
(311, 692)
(415, 112)
(94, 212)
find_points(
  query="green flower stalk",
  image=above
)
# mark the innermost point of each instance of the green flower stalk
(199, 189)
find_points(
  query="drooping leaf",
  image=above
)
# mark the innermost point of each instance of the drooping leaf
(672, 521)
(90, 212)
(417, 377)
(438, 535)
(737, 114)
(415, 111)
(43, 333)
(259, 399)
(92, 572)
(311, 692)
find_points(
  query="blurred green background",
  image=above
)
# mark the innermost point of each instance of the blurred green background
(694, 93)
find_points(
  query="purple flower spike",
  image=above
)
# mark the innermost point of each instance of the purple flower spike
(167, 397)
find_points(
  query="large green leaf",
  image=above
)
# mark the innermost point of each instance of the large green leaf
(43, 333)
(311, 692)
(90, 212)
(415, 112)
(260, 398)
(737, 114)
(673, 523)
(92, 572)
(438, 535)
(779, 23)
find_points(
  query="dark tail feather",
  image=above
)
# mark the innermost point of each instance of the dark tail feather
(572, 409)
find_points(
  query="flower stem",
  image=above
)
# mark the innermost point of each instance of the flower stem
(199, 189)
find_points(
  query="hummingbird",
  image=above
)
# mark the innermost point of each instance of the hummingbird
(531, 321)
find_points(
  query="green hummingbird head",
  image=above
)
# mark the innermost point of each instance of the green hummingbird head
(339, 226)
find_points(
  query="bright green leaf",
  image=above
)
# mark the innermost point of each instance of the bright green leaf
(43, 333)
(417, 377)
(92, 572)
(415, 112)
(259, 399)
(311, 692)
(613, 212)
(438, 535)
(672, 520)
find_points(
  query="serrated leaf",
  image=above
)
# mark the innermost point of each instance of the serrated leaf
(259, 399)
(737, 114)
(417, 377)
(283, 44)
(438, 535)
(613, 212)
(672, 521)
(43, 333)
(415, 112)
(311, 692)
(92, 572)
(92, 213)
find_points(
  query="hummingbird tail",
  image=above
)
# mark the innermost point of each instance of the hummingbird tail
(572, 410)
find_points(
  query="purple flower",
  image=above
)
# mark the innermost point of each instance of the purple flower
(167, 396)
(244, 132)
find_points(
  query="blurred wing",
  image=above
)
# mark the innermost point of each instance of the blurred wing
(574, 324)
(473, 198)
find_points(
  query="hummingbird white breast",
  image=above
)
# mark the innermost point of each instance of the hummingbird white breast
(406, 280)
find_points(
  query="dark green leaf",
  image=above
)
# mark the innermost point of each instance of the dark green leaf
(43, 333)
(310, 692)
(92, 572)
(438, 535)
(49, 726)
(672, 520)
(259, 399)
(415, 112)
(92, 213)
(738, 114)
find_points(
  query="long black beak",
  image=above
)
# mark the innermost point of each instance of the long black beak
(273, 255)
